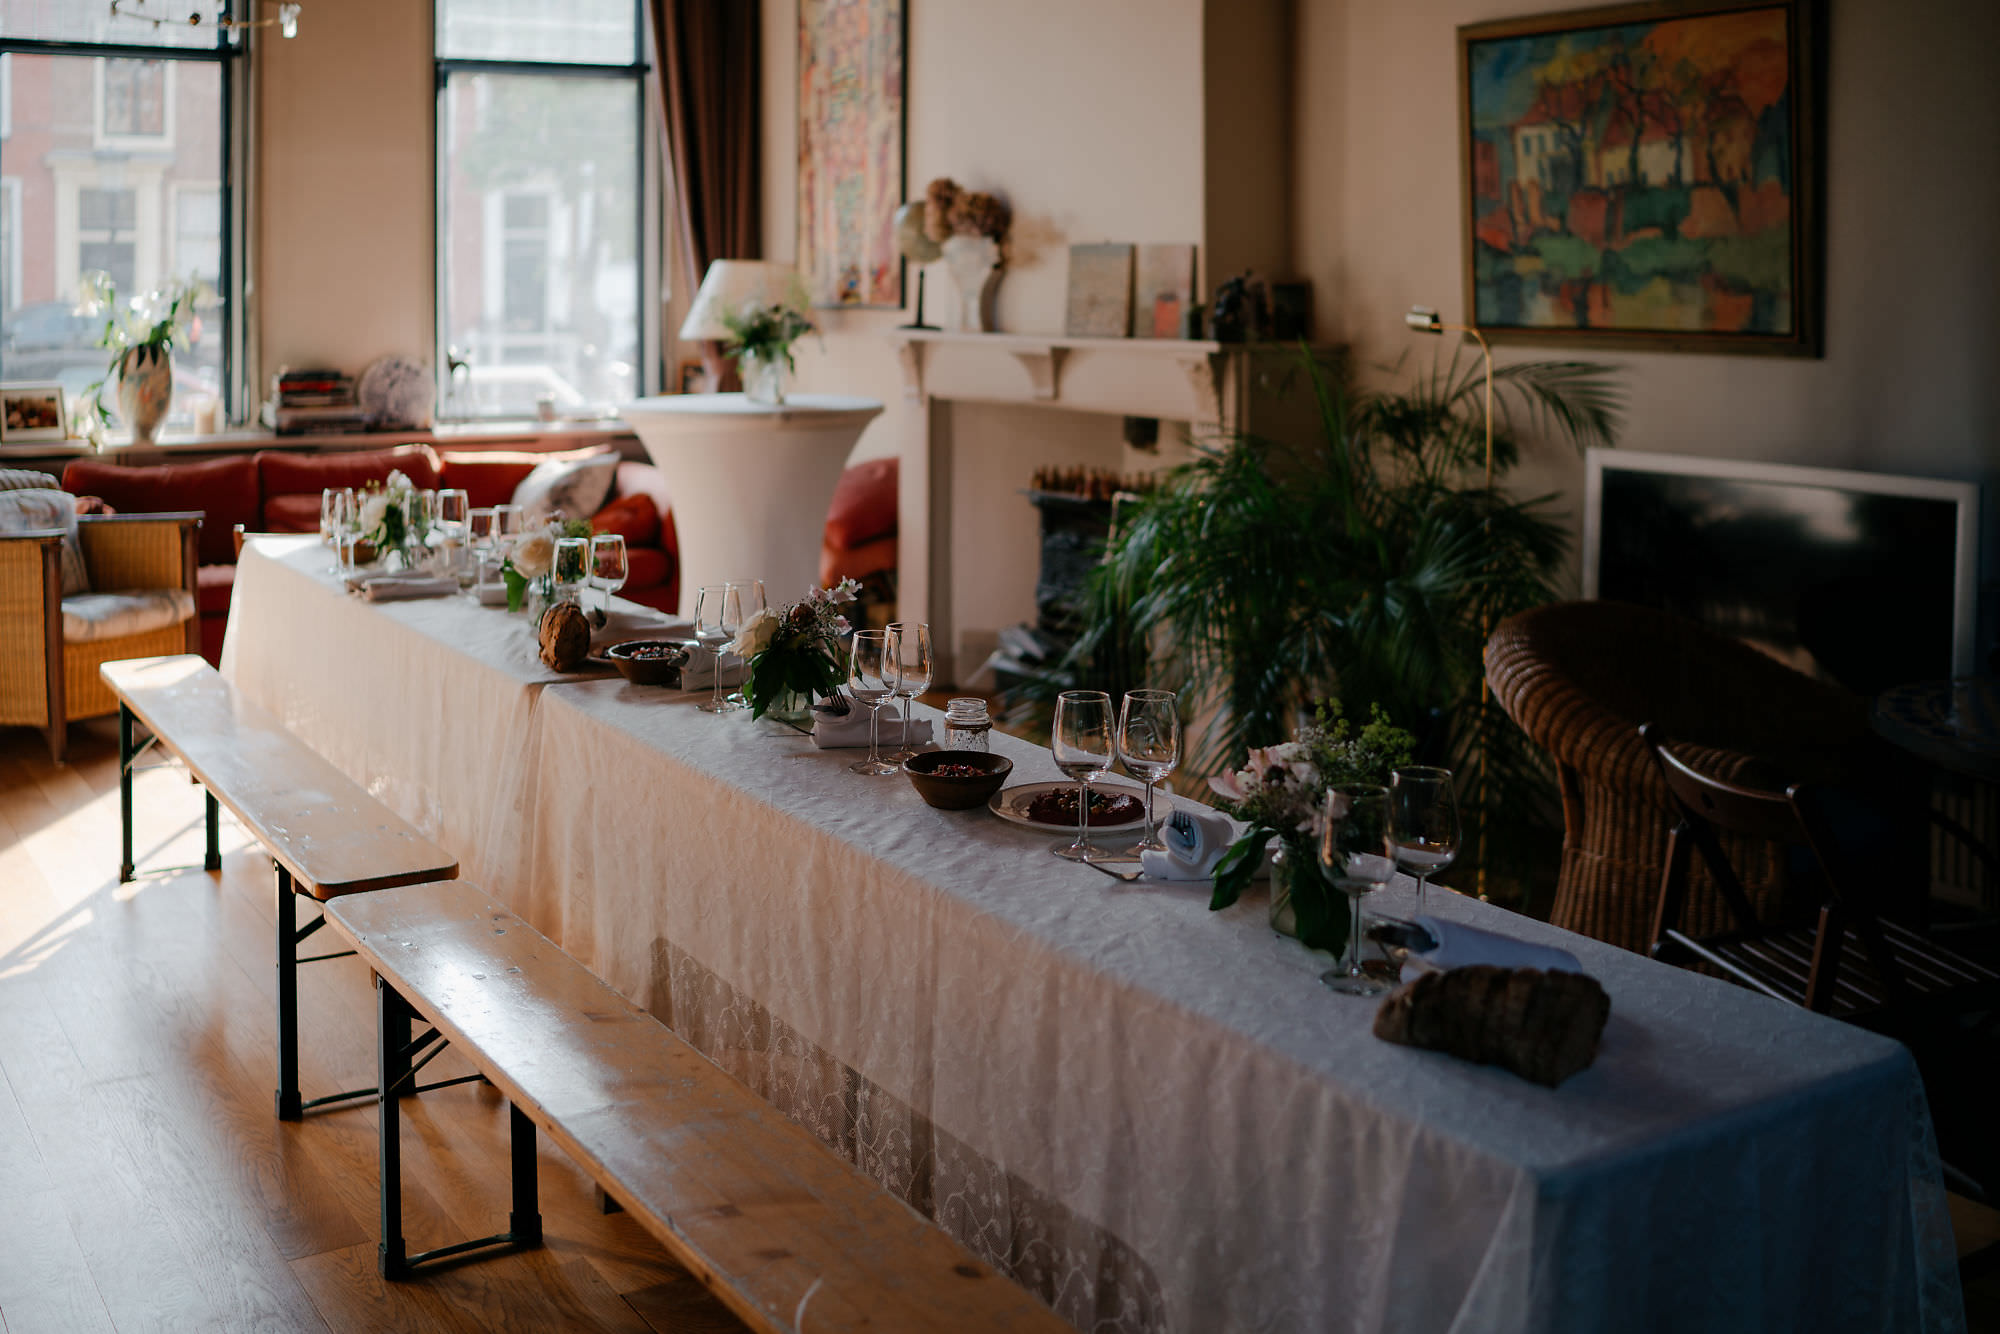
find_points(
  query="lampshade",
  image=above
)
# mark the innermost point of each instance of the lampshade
(731, 284)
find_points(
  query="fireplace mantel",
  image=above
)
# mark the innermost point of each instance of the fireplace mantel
(1191, 380)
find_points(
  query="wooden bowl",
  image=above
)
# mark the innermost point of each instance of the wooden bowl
(663, 670)
(952, 792)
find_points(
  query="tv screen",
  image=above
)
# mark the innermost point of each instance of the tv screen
(1862, 579)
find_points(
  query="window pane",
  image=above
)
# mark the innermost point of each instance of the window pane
(135, 98)
(78, 197)
(589, 32)
(541, 220)
(91, 21)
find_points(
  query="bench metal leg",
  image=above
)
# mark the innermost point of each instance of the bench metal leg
(212, 857)
(289, 1106)
(125, 792)
(392, 1053)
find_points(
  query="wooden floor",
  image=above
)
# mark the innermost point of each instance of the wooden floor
(144, 1182)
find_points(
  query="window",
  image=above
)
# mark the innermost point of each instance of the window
(115, 157)
(544, 227)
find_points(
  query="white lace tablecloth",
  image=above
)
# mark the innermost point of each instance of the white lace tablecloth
(1151, 1114)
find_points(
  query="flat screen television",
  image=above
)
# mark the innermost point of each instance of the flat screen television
(1864, 579)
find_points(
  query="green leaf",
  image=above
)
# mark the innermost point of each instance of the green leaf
(1323, 912)
(517, 586)
(1239, 866)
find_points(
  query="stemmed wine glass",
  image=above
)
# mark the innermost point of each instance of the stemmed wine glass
(1424, 819)
(572, 568)
(1083, 749)
(335, 506)
(483, 532)
(608, 566)
(454, 509)
(910, 648)
(871, 679)
(1358, 856)
(751, 591)
(718, 615)
(1149, 744)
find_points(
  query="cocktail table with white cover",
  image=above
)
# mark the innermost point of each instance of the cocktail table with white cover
(750, 481)
(1157, 1117)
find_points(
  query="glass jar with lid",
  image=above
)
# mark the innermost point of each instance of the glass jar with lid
(966, 725)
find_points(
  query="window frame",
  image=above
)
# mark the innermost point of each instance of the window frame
(103, 139)
(648, 238)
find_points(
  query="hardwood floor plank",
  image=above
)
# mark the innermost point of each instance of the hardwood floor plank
(45, 1284)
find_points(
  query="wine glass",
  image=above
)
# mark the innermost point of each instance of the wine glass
(1083, 750)
(572, 567)
(718, 615)
(482, 533)
(752, 593)
(1423, 816)
(871, 679)
(910, 651)
(333, 519)
(1358, 856)
(1149, 744)
(608, 567)
(453, 507)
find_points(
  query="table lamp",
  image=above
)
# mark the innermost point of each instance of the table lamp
(732, 284)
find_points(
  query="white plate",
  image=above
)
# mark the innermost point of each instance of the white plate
(1011, 805)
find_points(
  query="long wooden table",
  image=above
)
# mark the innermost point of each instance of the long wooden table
(1152, 1116)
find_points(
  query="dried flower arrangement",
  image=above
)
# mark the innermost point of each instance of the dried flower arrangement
(950, 210)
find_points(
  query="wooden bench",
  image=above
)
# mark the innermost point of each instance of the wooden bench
(327, 836)
(785, 1232)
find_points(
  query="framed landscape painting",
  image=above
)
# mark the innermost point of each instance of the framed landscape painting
(851, 107)
(1644, 176)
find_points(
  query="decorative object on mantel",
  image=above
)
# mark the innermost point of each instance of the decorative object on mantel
(397, 394)
(142, 335)
(1100, 291)
(970, 227)
(794, 654)
(851, 111)
(1644, 177)
(1242, 310)
(1292, 312)
(1279, 793)
(915, 244)
(1164, 287)
(756, 308)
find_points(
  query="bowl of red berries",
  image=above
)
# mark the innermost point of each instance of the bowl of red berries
(957, 780)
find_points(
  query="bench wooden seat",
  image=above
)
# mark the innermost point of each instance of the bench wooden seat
(327, 836)
(785, 1232)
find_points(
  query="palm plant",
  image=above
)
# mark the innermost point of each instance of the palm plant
(1367, 566)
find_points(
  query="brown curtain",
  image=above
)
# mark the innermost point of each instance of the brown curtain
(710, 55)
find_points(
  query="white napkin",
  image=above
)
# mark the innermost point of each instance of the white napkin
(835, 731)
(1190, 856)
(699, 674)
(637, 623)
(1459, 945)
(389, 587)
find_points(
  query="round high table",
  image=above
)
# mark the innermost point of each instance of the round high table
(750, 482)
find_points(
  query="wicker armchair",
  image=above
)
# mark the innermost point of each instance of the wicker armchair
(43, 681)
(1581, 677)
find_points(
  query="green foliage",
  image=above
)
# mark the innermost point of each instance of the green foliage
(765, 332)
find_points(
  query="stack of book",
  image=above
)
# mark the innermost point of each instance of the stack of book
(314, 402)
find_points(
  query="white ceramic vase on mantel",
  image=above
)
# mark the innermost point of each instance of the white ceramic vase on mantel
(974, 263)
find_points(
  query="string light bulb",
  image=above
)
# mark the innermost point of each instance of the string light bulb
(286, 20)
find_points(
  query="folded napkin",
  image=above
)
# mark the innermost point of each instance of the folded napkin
(833, 731)
(389, 587)
(1193, 853)
(1459, 945)
(635, 623)
(699, 674)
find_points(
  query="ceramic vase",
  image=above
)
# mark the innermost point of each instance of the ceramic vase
(763, 378)
(145, 388)
(974, 264)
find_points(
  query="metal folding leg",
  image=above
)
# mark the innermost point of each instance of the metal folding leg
(211, 859)
(394, 1053)
(125, 792)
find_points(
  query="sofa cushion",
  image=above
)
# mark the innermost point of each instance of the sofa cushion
(40, 510)
(92, 617)
(491, 476)
(212, 586)
(645, 479)
(573, 487)
(296, 512)
(634, 518)
(282, 473)
(224, 490)
(26, 479)
(864, 504)
(646, 567)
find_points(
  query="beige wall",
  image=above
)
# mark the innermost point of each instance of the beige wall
(1908, 383)
(344, 189)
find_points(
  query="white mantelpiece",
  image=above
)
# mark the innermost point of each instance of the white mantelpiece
(1174, 379)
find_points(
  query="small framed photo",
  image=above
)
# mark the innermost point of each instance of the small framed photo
(32, 412)
(693, 377)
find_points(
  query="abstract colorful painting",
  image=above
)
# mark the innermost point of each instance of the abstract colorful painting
(850, 150)
(1642, 176)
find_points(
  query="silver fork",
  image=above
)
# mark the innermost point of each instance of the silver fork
(1181, 824)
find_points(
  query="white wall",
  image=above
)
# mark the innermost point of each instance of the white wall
(1908, 383)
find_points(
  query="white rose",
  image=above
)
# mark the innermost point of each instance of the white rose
(398, 482)
(534, 554)
(757, 633)
(374, 511)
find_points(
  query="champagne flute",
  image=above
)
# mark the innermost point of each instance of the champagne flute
(608, 566)
(1423, 817)
(1358, 857)
(910, 648)
(1149, 744)
(752, 593)
(1083, 749)
(572, 568)
(718, 615)
(871, 679)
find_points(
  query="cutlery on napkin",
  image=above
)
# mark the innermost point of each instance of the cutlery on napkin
(390, 587)
(833, 731)
(1195, 841)
(637, 623)
(1456, 945)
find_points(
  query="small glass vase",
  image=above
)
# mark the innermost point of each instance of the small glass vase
(793, 708)
(763, 377)
(1284, 917)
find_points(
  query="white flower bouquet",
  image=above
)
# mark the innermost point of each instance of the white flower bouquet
(796, 650)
